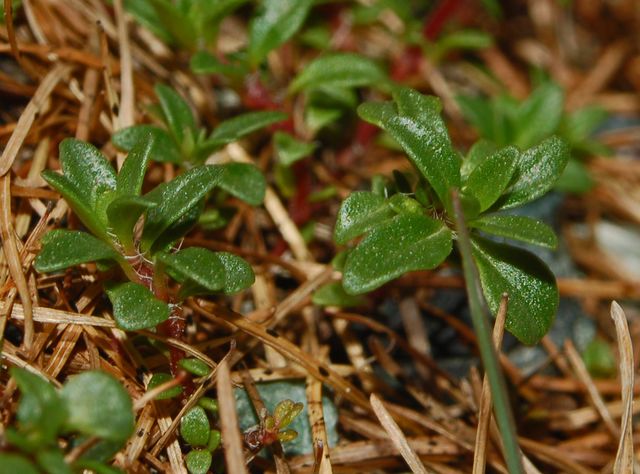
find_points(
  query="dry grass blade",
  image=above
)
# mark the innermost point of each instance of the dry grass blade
(625, 456)
(397, 436)
(231, 437)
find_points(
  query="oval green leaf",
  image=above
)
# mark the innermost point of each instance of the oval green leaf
(41, 412)
(98, 405)
(532, 289)
(276, 22)
(537, 169)
(177, 113)
(244, 181)
(176, 198)
(135, 307)
(340, 70)
(237, 272)
(194, 427)
(160, 378)
(65, 248)
(429, 150)
(520, 228)
(235, 128)
(406, 243)
(358, 213)
(87, 169)
(491, 176)
(198, 461)
(164, 147)
(197, 265)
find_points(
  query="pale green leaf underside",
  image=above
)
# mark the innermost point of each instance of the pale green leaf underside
(532, 290)
(405, 243)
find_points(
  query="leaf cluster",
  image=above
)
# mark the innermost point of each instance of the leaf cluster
(89, 405)
(505, 120)
(408, 226)
(137, 231)
(181, 141)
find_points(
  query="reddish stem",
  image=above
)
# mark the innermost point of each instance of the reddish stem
(445, 10)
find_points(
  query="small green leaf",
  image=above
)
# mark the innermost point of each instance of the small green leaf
(195, 367)
(164, 147)
(160, 378)
(289, 149)
(238, 274)
(520, 228)
(358, 213)
(276, 22)
(539, 116)
(41, 412)
(209, 404)
(537, 169)
(65, 248)
(599, 358)
(214, 440)
(340, 70)
(462, 39)
(406, 243)
(123, 214)
(197, 265)
(14, 463)
(333, 294)
(205, 63)
(177, 112)
(481, 150)
(532, 290)
(403, 204)
(421, 108)
(87, 169)
(198, 461)
(244, 181)
(235, 128)
(490, 178)
(52, 461)
(429, 150)
(479, 111)
(98, 405)
(178, 229)
(135, 307)
(131, 176)
(176, 198)
(145, 14)
(175, 22)
(77, 202)
(194, 427)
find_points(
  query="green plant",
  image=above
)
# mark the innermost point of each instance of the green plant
(274, 427)
(410, 226)
(110, 206)
(181, 141)
(504, 120)
(91, 408)
(195, 430)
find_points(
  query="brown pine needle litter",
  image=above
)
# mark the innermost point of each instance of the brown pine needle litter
(86, 68)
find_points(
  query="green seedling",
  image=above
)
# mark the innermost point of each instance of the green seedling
(196, 431)
(180, 141)
(410, 226)
(273, 428)
(504, 120)
(111, 205)
(92, 405)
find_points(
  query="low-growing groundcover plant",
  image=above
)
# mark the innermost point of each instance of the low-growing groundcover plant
(110, 205)
(412, 227)
(91, 408)
(181, 141)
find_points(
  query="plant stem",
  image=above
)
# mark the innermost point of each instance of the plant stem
(479, 316)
